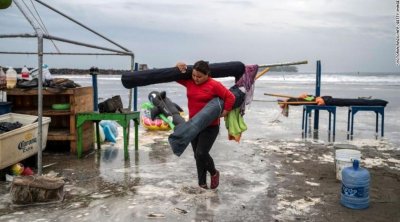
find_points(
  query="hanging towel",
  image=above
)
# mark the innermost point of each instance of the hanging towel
(235, 124)
(247, 82)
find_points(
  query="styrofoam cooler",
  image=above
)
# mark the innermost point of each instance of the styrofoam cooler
(21, 143)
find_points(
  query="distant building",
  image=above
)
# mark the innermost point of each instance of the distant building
(143, 67)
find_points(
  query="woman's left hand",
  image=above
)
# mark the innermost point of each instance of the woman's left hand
(224, 113)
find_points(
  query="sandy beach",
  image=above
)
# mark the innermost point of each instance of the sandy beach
(273, 174)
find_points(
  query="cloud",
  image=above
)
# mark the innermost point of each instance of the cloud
(253, 31)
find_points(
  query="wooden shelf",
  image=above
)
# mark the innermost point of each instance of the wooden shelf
(60, 134)
(48, 91)
(63, 122)
(46, 112)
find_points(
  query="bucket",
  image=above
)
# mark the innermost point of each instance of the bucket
(342, 146)
(344, 158)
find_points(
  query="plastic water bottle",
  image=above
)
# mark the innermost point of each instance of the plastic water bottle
(355, 187)
(11, 78)
(25, 73)
(3, 80)
(46, 72)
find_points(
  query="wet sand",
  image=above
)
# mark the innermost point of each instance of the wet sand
(273, 174)
(261, 180)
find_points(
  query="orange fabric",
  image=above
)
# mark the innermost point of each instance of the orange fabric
(320, 101)
(236, 138)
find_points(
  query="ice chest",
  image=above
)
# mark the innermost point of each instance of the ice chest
(21, 143)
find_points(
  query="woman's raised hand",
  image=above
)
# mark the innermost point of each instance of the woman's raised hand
(182, 67)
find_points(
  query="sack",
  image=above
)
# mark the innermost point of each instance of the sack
(111, 105)
(27, 84)
(62, 83)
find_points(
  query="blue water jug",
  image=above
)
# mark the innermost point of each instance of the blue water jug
(355, 187)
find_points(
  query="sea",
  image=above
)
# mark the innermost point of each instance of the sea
(263, 113)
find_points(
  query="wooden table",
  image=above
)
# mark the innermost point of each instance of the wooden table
(122, 119)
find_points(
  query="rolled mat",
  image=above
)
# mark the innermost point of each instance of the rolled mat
(329, 101)
(154, 76)
(185, 132)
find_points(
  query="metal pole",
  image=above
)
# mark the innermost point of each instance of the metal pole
(93, 72)
(135, 90)
(130, 97)
(130, 90)
(40, 86)
(317, 93)
(84, 44)
(40, 101)
(35, 28)
(65, 53)
(91, 30)
(22, 35)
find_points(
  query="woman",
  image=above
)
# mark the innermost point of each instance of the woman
(200, 90)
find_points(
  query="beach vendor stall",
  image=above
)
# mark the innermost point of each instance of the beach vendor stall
(42, 35)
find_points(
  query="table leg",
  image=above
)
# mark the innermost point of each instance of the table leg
(352, 125)
(126, 152)
(79, 143)
(98, 135)
(334, 125)
(329, 125)
(302, 121)
(382, 122)
(348, 122)
(136, 134)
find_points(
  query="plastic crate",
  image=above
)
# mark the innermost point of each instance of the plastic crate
(5, 107)
(21, 143)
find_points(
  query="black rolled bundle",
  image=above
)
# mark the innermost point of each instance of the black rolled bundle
(154, 76)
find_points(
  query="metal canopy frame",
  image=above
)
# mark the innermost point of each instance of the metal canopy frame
(40, 35)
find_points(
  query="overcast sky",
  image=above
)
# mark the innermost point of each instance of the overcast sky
(346, 35)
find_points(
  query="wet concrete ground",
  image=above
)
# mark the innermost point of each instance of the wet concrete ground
(262, 179)
(153, 184)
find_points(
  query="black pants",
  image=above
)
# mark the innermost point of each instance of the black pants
(202, 145)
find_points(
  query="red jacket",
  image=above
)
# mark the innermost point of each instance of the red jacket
(199, 95)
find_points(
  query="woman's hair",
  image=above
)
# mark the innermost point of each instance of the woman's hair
(202, 66)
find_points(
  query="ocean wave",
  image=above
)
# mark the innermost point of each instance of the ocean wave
(350, 79)
(295, 78)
